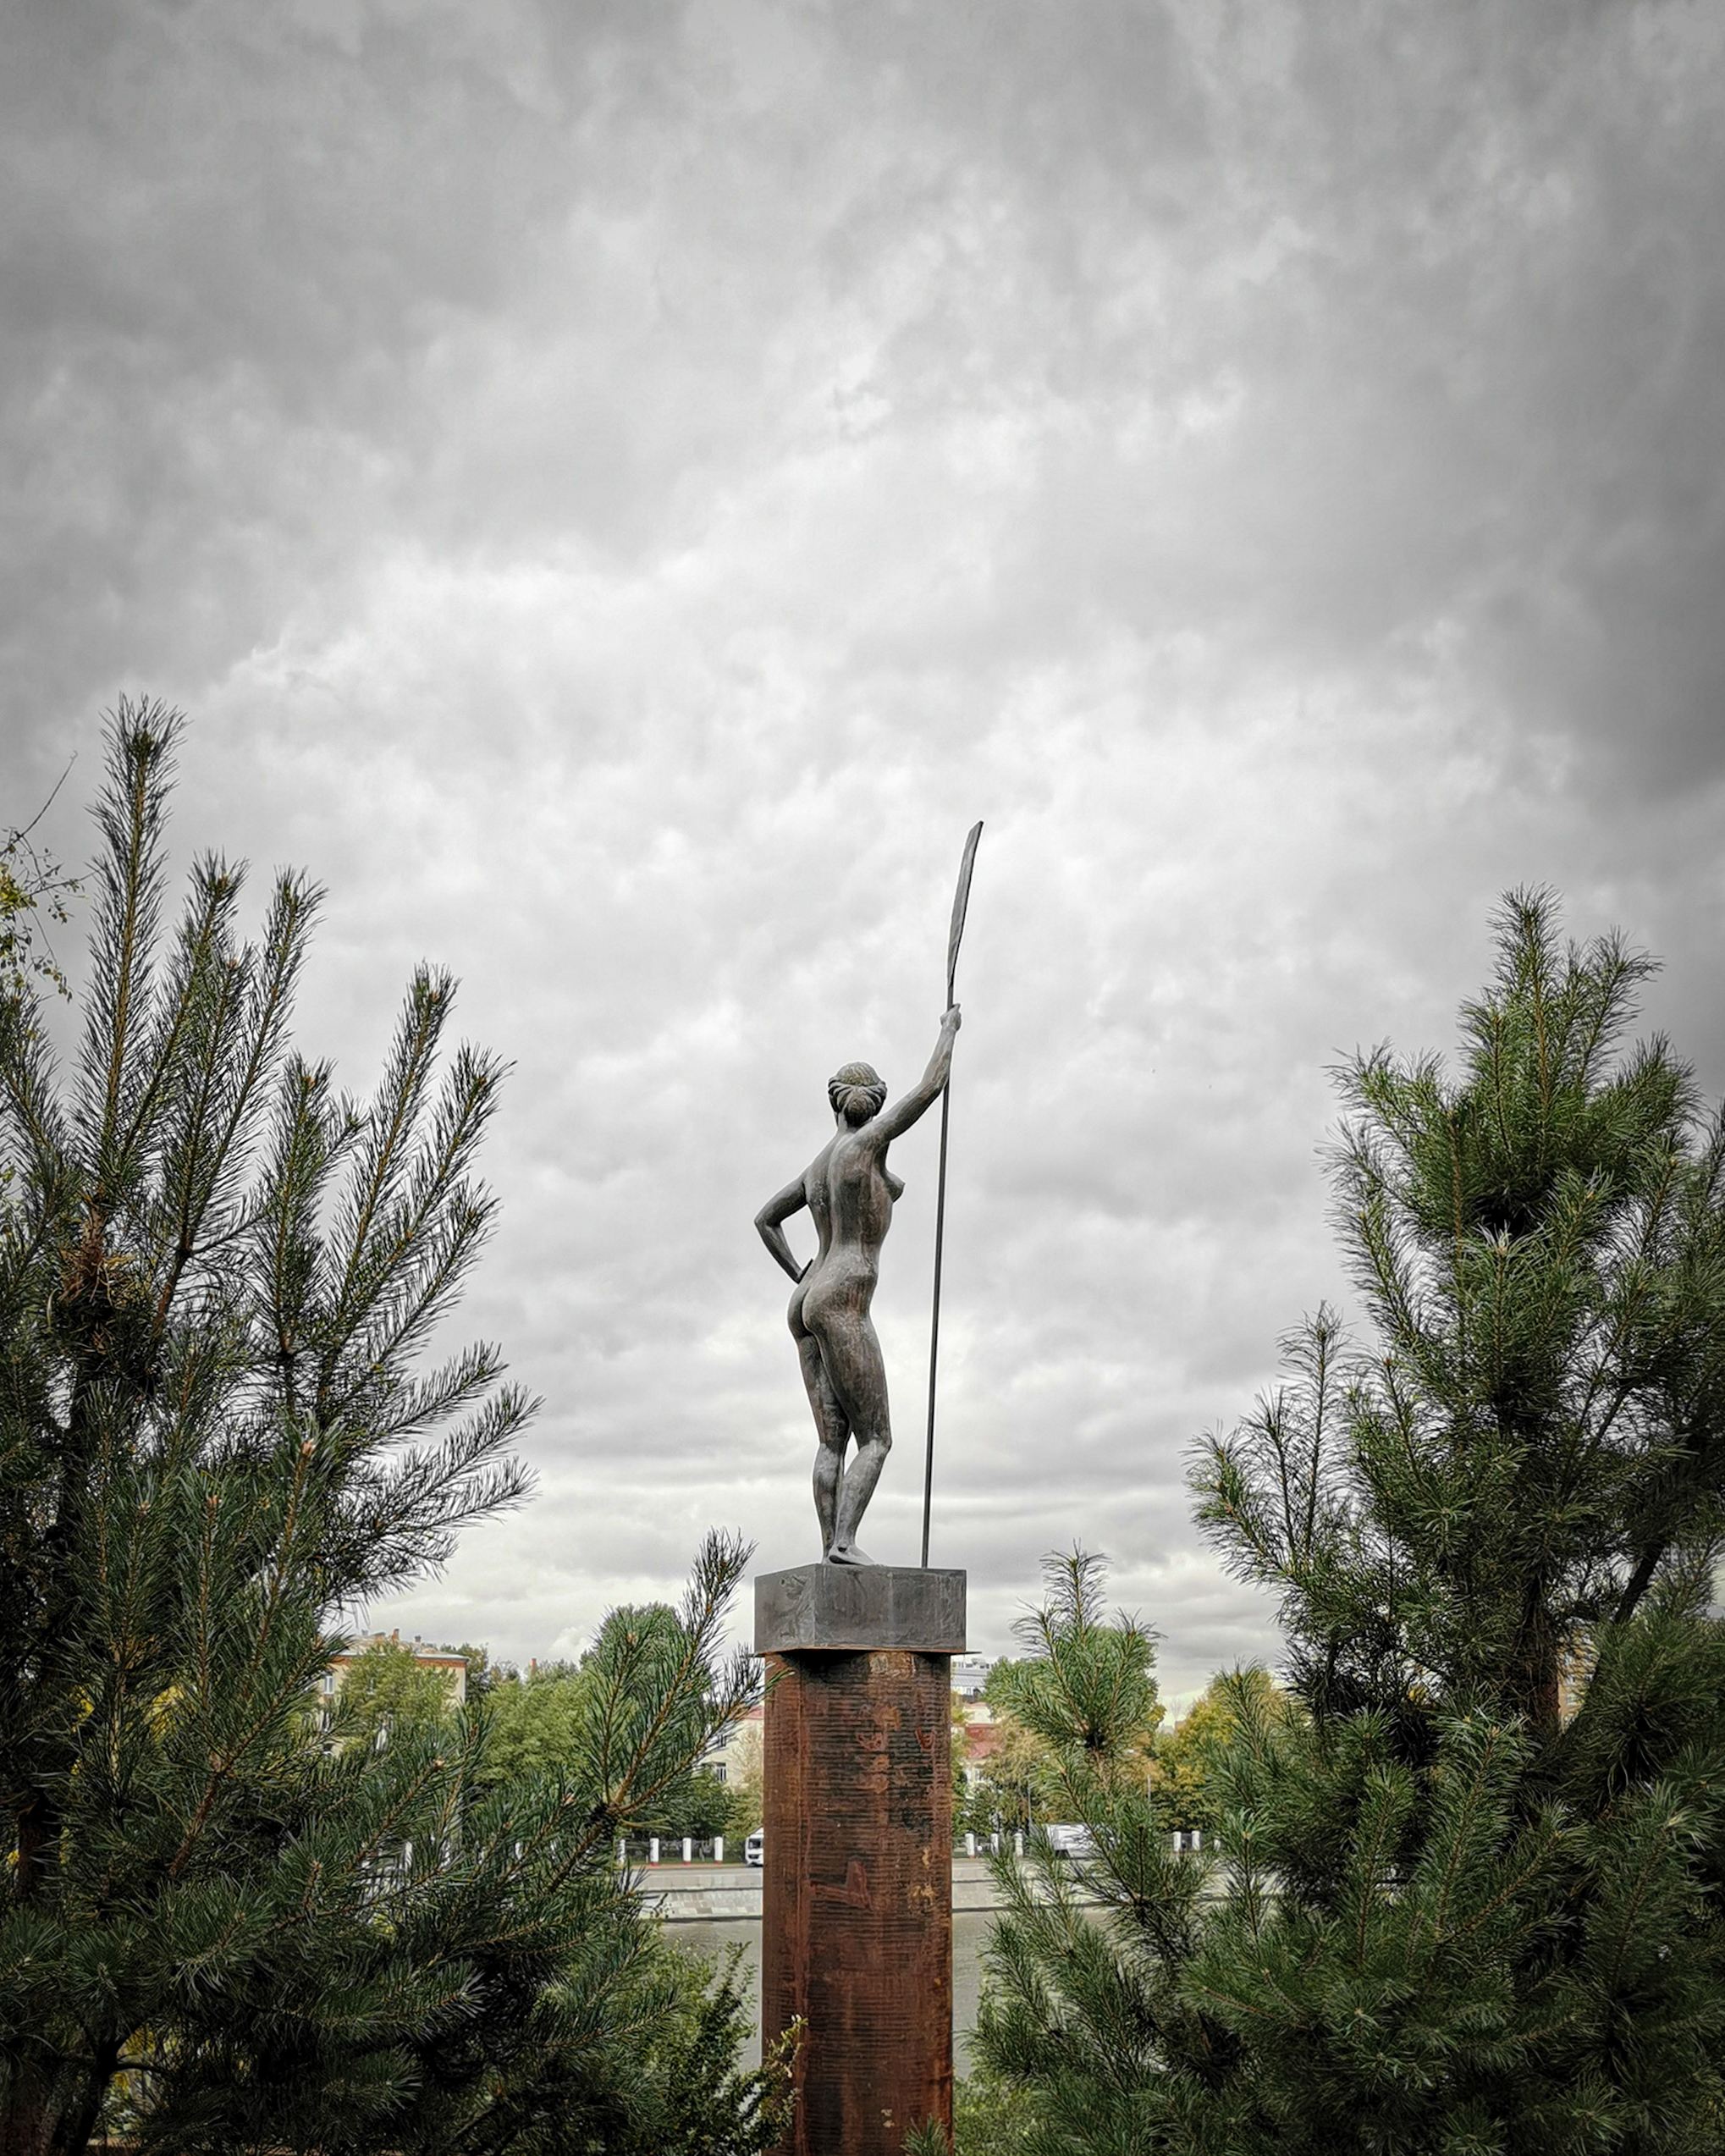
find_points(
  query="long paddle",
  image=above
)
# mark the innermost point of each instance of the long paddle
(960, 901)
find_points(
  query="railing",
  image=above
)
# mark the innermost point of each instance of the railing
(637, 1851)
(641, 1852)
(1186, 1840)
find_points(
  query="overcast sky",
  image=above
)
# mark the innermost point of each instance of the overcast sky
(619, 489)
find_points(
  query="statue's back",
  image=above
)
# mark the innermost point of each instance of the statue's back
(859, 1194)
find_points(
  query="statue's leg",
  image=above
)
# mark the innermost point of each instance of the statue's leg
(832, 1426)
(851, 1353)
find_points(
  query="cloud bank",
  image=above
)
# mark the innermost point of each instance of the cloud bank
(620, 489)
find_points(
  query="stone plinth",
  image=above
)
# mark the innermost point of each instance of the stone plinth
(857, 1607)
(856, 1909)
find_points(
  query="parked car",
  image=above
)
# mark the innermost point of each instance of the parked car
(1071, 1842)
(754, 1849)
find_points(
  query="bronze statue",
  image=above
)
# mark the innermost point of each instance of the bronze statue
(849, 1191)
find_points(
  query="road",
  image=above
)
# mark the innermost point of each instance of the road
(691, 1894)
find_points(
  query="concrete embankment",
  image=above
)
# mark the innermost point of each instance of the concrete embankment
(701, 1894)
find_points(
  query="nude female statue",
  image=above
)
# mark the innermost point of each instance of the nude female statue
(850, 1190)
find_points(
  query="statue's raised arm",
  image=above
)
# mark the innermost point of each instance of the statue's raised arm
(892, 1122)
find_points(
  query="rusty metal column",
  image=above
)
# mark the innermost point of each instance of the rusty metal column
(857, 1933)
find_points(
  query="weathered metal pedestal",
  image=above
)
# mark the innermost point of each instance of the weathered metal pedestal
(856, 1931)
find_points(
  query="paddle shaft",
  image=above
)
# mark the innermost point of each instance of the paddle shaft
(960, 905)
(934, 1321)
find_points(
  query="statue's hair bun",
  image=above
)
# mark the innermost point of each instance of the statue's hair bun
(860, 1082)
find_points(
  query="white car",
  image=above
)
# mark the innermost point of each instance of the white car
(754, 1849)
(1070, 1841)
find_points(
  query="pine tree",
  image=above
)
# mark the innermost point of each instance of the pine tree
(218, 1277)
(1474, 1902)
(1084, 1694)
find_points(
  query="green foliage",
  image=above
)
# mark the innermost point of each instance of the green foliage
(481, 1672)
(217, 1280)
(1540, 1426)
(1185, 1762)
(745, 1789)
(635, 1655)
(1445, 1914)
(990, 2117)
(690, 2067)
(535, 1724)
(1083, 1693)
(1081, 1704)
(386, 1691)
(1010, 1793)
(703, 1807)
(559, 1712)
(32, 886)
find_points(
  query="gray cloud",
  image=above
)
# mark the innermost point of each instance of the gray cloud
(621, 490)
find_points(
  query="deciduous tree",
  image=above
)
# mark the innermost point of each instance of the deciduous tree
(33, 888)
(387, 1691)
(1186, 1760)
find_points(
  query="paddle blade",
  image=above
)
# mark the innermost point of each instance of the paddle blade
(960, 901)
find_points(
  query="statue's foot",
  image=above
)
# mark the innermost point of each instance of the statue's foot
(847, 1554)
